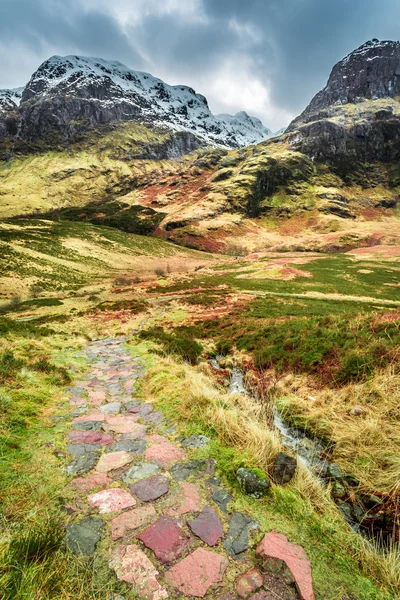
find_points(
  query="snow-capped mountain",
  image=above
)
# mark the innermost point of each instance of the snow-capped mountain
(76, 90)
(10, 99)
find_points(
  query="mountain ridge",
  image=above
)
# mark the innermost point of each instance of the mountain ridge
(91, 91)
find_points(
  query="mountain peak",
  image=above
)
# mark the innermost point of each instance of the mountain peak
(67, 89)
(370, 72)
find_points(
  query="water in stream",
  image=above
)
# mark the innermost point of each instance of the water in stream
(313, 454)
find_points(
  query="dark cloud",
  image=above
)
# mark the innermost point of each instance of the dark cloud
(265, 56)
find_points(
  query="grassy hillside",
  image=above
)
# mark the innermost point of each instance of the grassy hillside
(63, 256)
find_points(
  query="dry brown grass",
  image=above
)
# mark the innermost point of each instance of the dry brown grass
(240, 422)
(367, 445)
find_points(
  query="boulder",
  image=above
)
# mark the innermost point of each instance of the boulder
(253, 482)
(284, 468)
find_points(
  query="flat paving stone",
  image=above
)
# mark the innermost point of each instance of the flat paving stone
(183, 471)
(124, 424)
(140, 471)
(137, 434)
(88, 426)
(132, 520)
(97, 396)
(81, 449)
(164, 453)
(197, 573)
(207, 526)
(111, 500)
(131, 404)
(222, 498)
(165, 538)
(90, 437)
(151, 488)
(195, 441)
(110, 408)
(142, 409)
(185, 500)
(154, 417)
(82, 464)
(132, 566)
(77, 401)
(92, 416)
(280, 555)
(134, 446)
(113, 460)
(82, 537)
(86, 484)
(237, 539)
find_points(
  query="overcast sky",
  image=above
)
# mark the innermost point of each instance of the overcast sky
(268, 57)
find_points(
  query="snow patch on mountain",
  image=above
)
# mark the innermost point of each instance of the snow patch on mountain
(141, 96)
(10, 99)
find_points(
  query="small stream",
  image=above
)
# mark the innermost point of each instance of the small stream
(363, 515)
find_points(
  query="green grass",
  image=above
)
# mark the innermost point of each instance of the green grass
(326, 539)
(339, 274)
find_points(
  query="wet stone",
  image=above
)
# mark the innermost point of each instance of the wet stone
(151, 488)
(82, 537)
(81, 449)
(82, 464)
(195, 441)
(134, 446)
(207, 526)
(237, 539)
(140, 471)
(165, 538)
(222, 498)
(88, 426)
(284, 468)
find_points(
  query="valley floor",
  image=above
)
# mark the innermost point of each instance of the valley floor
(317, 337)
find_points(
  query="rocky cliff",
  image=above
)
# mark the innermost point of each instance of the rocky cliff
(356, 117)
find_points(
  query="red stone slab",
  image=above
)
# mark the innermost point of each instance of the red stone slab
(165, 538)
(90, 437)
(197, 573)
(85, 484)
(207, 526)
(185, 500)
(164, 453)
(112, 500)
(281, 556)
(132, 566)
(130, 521)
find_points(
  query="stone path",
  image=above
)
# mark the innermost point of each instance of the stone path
(163, 514)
